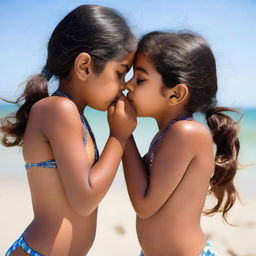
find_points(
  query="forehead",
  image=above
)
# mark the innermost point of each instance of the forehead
(141, 61)
(128, 59)
(125, 62)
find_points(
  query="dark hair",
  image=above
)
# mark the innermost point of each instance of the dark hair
(101, 32)
(186, 58)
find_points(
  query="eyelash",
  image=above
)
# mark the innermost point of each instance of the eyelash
(139, 81)
(119, 74)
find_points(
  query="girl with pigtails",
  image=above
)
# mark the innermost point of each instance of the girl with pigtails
(174, 77)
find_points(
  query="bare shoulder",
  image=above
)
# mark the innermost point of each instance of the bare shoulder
(54, 116)
(191, 133)
(54, 108)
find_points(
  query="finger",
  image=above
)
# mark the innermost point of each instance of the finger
(128, 106)
(120, 105)
(132, 110)
(122, 97)
(111, 109)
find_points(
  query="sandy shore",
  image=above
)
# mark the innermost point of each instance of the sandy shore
(116, 227)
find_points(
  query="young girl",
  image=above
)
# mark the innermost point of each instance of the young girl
(90, 51)
(175, 76)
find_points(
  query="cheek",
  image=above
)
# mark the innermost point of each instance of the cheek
(109, 86)
(142, 102)
(103, 95)
(146, 102)
(109, 91)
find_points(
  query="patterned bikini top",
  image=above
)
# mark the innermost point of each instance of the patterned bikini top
(150, 155)
(87, 129)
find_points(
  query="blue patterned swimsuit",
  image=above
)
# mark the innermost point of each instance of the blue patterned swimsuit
(87, 129)
(148, 160)
(52, 164)
(207, 251)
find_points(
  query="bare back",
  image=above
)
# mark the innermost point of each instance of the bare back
(179, 184)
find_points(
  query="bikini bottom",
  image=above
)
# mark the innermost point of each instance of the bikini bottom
(25, 247)
(207, 251)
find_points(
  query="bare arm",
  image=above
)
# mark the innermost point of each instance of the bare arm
(174, 154)
(134, 171)
(85, 186)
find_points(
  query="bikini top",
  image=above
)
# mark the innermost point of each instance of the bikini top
(87, 129)
(150, 155)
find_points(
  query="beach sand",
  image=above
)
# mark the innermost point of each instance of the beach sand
(116, 233)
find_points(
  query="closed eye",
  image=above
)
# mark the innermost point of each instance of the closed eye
(120, 75)
(139, 81)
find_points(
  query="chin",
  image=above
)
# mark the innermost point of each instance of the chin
(143, 114)
(138, 111)
(102, 108)
(99, 108)
(139, 114)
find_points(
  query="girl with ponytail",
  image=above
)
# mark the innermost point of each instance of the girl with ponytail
(174, 77)
(89, 52)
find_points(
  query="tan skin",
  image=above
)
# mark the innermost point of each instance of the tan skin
(65, 199)
(168, 213)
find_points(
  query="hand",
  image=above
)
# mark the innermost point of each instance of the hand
(122, 118)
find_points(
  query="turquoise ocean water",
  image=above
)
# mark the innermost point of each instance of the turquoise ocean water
(12, 163)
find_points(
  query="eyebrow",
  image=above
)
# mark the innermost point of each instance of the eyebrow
(142, 70)
(126, 66)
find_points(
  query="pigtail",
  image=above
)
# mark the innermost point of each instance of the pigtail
(224, 131)
(13, 127)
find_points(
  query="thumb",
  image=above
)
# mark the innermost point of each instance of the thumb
(120, 105)
(111, 110)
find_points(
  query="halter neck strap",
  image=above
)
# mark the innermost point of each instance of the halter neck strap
(149, 157)
(85, 123)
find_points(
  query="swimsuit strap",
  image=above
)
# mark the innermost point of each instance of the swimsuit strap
(45, 164)
(149, 157)
(86, 126)
(82, 117)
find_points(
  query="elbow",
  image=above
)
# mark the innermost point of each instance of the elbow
(144, 212)
(83, 210)
(144, 215)
(83, 206)
(143, 208)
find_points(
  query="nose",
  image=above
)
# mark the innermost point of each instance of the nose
(129, 86)
(123, 87)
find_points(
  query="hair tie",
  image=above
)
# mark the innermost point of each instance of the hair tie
(211, 111)
(47, 73)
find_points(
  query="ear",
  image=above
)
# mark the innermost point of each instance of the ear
(177, 94)
(82, 66)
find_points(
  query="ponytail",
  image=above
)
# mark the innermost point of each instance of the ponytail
(13, 127)
(224, 131)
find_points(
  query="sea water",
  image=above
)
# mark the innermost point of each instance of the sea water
(12, 164)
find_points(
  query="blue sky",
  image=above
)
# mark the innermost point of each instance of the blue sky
(228, 26)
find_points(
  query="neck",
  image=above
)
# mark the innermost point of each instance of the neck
(71, 91)
(164, 119)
